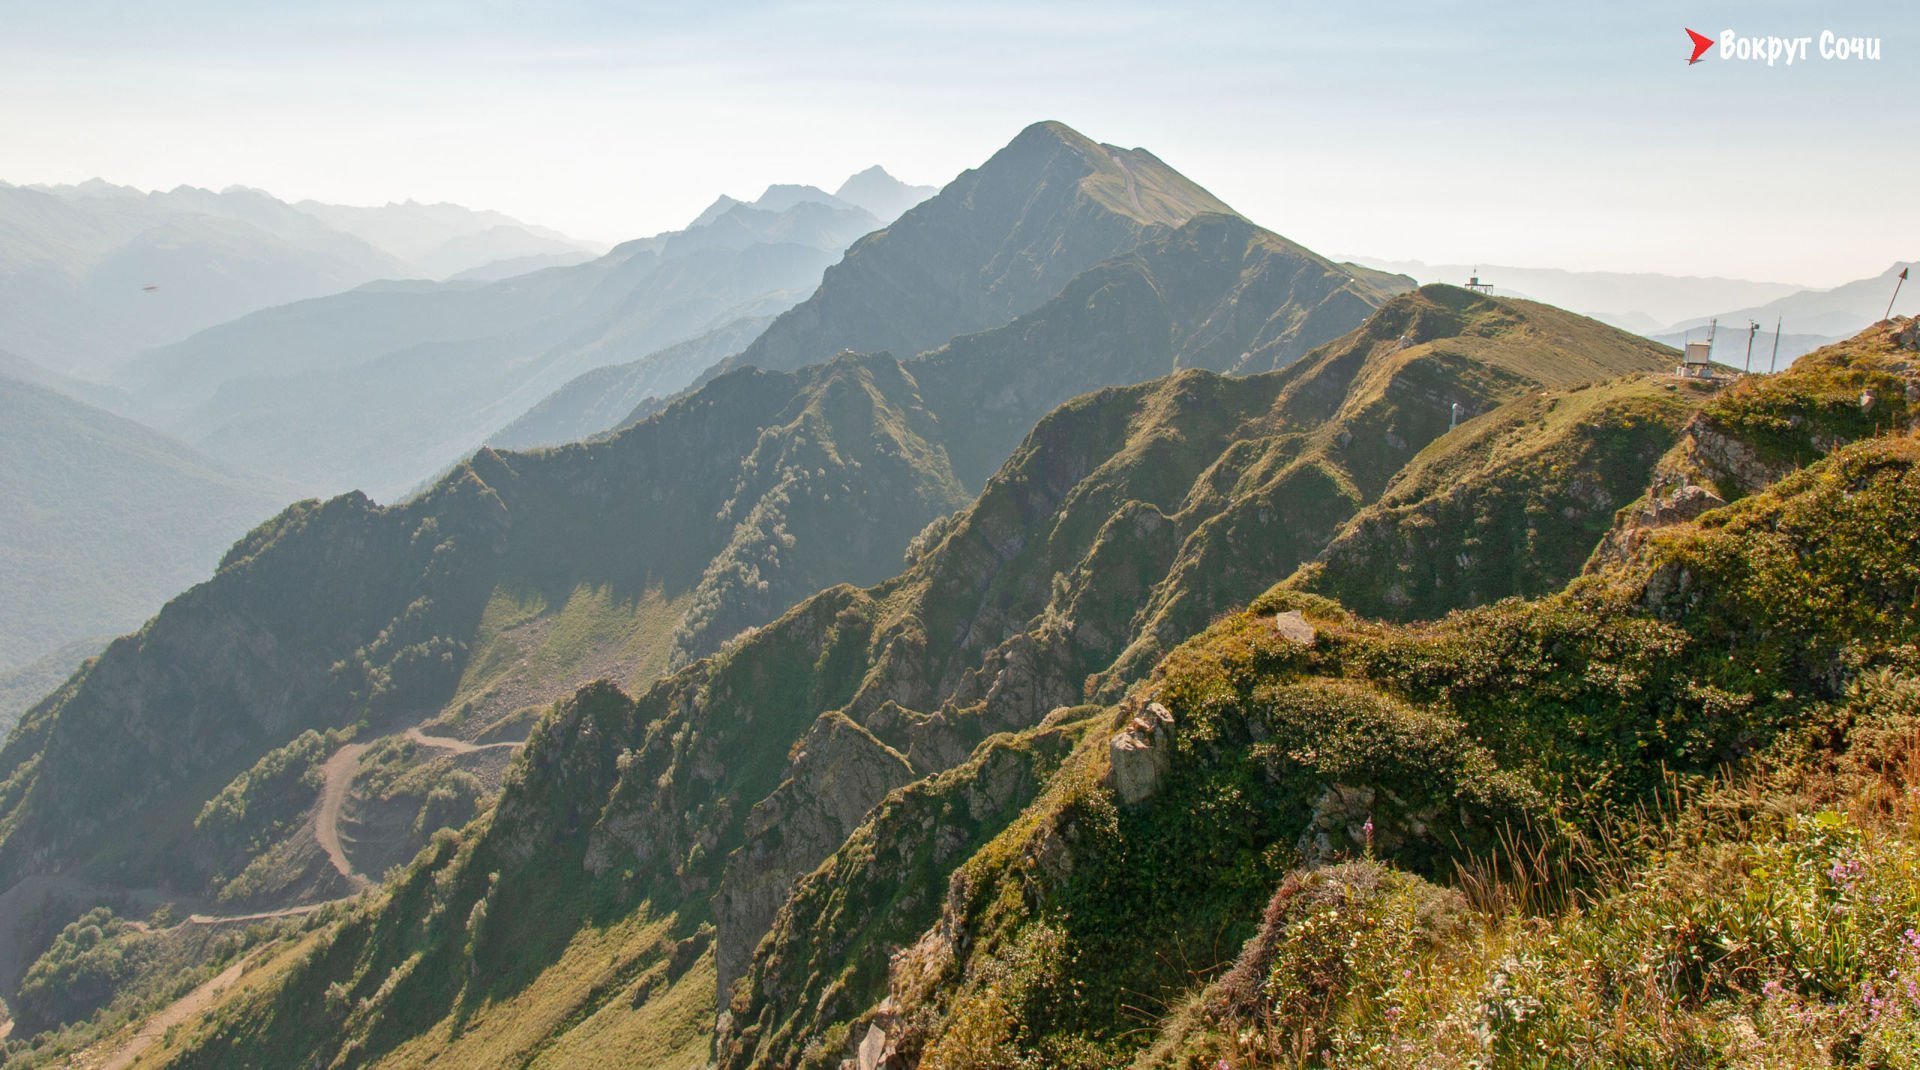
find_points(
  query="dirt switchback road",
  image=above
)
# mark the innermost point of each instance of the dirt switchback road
(448, 743)
(339, 773)
(187, 1006)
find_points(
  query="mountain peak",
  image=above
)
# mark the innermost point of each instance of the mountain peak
(1055, 132)
(871, 174)
(97, 187)
(781, 196)
(882, 194)
(1133, 183)
(1046, 207)
(721, 206)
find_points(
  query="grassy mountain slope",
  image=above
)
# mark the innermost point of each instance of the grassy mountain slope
(1631, 685)
(106, 519)
(1759, 430)
(1217, 293)
(521, 576)
(994, 243)
(1511, 503)
(1501, 740)
(1207, 294)
(1126, 513)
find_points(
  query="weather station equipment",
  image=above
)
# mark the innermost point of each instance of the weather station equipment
(1696, 358)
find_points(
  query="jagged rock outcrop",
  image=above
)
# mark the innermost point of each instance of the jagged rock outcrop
(839, 770)
(1759, 430)
(1140, 754)
(1687, 502)
(1294, 627)
(1906, 332)
(828, 954)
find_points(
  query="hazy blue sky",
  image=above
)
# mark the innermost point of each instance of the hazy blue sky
(1534, 133)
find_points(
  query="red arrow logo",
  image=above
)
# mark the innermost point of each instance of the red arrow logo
(1700, 45)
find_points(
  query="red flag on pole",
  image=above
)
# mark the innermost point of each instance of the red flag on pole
(1896, 291)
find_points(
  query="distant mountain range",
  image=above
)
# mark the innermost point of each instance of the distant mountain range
(605, 398)
(996, 242)
(1642, 302)
(873, 191)
(92, 273)
(107, 518)
(1842, 310)
(655, 546)
(1808, 319)
(443, 240)
(1675, 308)
(383, 386)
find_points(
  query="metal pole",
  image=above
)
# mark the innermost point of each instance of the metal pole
(1773, 365)
(1752, 329)
(1897, 283)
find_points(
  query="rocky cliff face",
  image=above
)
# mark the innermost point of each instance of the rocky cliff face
(830, 947)
(836, 772)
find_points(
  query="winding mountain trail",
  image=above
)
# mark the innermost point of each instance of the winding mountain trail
(264, 915)
(457, 746)
(339, 772)
(193, 1003)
